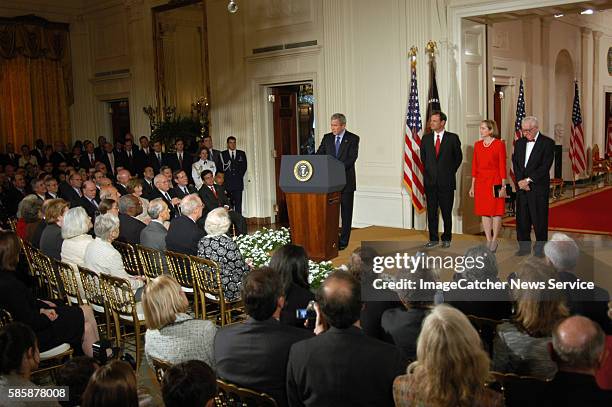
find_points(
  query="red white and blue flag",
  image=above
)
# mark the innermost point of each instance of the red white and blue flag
(576, 154)
(520, 115)
(413, 167)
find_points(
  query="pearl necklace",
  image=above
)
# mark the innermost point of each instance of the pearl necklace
(484, 143)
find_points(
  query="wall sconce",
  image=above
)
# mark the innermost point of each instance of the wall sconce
(232, 7)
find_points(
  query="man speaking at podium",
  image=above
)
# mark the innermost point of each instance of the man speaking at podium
(344, 146)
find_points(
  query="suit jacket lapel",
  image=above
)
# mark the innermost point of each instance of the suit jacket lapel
(343, 144)
(536, 148)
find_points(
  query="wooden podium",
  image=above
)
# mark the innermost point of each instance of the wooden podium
(312, 185)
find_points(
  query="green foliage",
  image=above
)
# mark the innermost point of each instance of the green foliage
(167, 131)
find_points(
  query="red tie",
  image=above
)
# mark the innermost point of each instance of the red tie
(214, 191)
(437, 145)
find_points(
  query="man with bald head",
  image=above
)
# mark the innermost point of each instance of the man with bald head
(129, 226)
(342, 366)
(88, 200)
(109, 192)
(123, 176)
(578, 347)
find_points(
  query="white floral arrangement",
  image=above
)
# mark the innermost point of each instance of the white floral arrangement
(258, 247)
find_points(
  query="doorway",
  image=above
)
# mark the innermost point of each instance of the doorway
(293, 118)
(120, 118)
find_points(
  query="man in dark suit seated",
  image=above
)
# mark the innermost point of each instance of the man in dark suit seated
(89, 157)
(15, 193)
(123, 176)
(182, 187)
(147, 182)
(129, 226)
(71, 191)
(162, 190)
(578, 347)
(89, 201)
(154, 234)
(184, 234)
(180, 159)
(342, 366)
(254, 354)
(214, 196)
(157, 158)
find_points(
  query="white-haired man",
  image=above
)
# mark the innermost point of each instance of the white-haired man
(532, 158)
(162, 190)
(154, 234)
(184, 234)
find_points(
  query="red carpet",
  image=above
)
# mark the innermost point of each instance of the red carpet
(587, 213)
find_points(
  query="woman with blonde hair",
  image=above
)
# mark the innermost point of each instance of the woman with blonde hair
(172, 335)
(521, 346)
(134, 187)
(451, 367)
(489, 171)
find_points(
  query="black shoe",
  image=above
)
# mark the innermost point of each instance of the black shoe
(342, 246)
(445, 244)
(431, 244)
(520, 253)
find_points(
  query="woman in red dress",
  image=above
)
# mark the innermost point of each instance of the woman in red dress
(489, 169)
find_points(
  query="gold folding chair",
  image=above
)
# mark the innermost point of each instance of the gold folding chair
(153, 262)
(232, 395)
(93, 294)
(13, 224)
(5, 317)
(33, 269)
(129, 257)
(120, 300)
(160, 367)
(49, 268)
(207, 277)
(180, 268)
(70, 282)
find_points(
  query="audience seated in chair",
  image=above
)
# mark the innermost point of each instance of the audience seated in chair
(51, 238)
(214, 196)
(113, 384)
(130, 226)
(102, 257)
(154, 234)
(53, 324)
(402, 325)
(341, 366)
(172, 335)
(563, 253)
(134, 187)
(521, 345)
(75, 375)
(291, 262)
(220, 248)
(19, 357)
(189, 384)
(451, 366)
(578, 347)
(254, 354)
(29, 220)
(184, 234)
(492, 304)
(75, 229)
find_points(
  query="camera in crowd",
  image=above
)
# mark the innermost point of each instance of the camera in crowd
(306, 313)
(101, 353)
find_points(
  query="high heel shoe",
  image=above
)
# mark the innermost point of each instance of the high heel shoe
(493, 246)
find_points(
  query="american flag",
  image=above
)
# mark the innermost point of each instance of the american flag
(520, 115)
(576, 153)
(413, 167)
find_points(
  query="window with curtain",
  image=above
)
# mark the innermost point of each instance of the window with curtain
(35, 81)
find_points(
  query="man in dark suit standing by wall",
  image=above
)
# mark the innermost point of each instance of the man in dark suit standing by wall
(180, 159)
(234, 165)
(343, 145)
(532, 158)
(441, 155)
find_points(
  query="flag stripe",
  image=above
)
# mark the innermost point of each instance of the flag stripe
(520, 115)
(577, 151)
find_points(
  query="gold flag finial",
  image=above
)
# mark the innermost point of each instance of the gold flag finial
(431, 48)
(413, 55)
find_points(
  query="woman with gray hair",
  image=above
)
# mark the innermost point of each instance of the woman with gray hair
(29, 218)
(102, 257)
(220, 248)
(74, 231)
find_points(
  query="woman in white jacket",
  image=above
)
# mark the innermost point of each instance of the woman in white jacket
(202, 164)
(102, 257)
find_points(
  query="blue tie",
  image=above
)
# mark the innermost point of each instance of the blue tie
(337, 145)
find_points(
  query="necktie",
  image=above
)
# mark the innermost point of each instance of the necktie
(91, 159)
(184, 190)
(531, 141)
(94, 203)
(159, 158)
(233, 156)
(337, 145)
(167, 196)
(129, 154)
(214, 191)
(181, 160)
(437, 145)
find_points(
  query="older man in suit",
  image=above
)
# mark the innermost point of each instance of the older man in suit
(180, 159)
(343, 145)
(71, 191)
(130, 227)
(321, 370)
(213, 196)
(254, 354)
(441, 155)
(532, 158)
(162, 190)
(89, 201)
(154, 234)
(184, 234)
(182, 187)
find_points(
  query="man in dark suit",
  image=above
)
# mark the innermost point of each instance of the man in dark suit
(532, 158)
(162, 190)
(59, 154)
(123, 177)
(157, 158)
(147, 182)
(128, 157)
(15, 193)
(130, 227)
(215, 155)
(154, 234)
(182, 187)
(101, 143)
(143, 156)
(71, 191)
(254, 354)
(89, 202)
(343, 145)
(321, 370)
(52, 188)
(213, 196)
(180, 159)
(578, 347)
(234, 165)
(111, 159)
(184, 234)
(39, 152)
(89, 158)
(10, 157)
(441, 155)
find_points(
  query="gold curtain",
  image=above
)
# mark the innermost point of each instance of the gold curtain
(35, 81)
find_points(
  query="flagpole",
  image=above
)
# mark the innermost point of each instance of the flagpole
(413, 57)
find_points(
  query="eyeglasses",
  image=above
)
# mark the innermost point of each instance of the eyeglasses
(528, 130)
